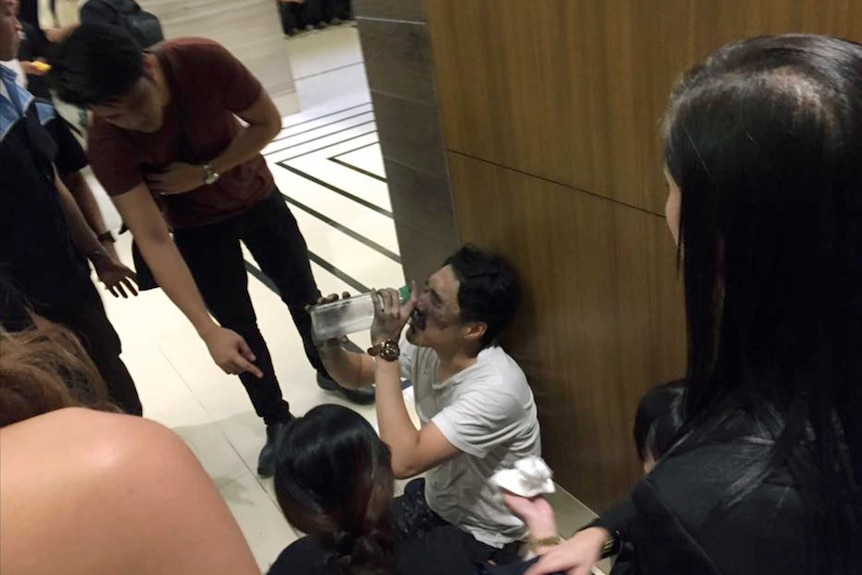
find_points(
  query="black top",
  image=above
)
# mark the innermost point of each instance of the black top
(34, 45)
(677, 530)
(29, 12)
(444, 550)
(37, 255)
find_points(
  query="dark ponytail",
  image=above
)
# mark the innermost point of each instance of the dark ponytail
(334, 481)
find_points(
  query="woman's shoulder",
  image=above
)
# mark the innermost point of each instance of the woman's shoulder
(76, 475)
(110, 441)
(685, 501)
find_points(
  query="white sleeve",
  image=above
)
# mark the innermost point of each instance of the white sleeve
(408, 353)
(481, 419)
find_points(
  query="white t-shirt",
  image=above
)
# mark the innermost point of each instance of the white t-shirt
(487, 411)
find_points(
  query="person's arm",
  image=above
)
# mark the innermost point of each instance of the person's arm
(57, 35)
(414, 451)
(540, 519)
(83, 195)
(142, 216)
(350, 370)
(82, 234)
(264, 123)
(116, 277)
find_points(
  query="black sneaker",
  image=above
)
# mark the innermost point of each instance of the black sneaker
(266, 460)
(360, 396)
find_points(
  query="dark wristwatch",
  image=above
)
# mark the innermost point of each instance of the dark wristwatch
(210, 175)
(106, 237)
(612, 545)
(387, 350)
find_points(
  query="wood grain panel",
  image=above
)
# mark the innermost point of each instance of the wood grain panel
(602, 318)
(574, 90)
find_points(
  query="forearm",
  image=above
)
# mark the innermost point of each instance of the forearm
(396, 427)
(245, 146)
(86, 201)
(83, 237)
(173, 276)
(350, 370)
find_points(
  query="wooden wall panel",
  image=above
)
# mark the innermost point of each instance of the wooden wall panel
(574, 90)
(602, 316)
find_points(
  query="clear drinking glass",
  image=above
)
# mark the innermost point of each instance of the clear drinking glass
(344, 316)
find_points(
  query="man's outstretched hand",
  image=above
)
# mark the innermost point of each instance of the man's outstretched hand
(230, 352)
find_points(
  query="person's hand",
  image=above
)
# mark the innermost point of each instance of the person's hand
(58, 34)
(116, 277)
(177, 178)
(335, 342)
(536, 512)
(111, 249)
(230, 352)
(577, 556)
(390, 316)
(530, 509)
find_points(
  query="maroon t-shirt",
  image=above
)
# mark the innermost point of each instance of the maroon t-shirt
(207, 87)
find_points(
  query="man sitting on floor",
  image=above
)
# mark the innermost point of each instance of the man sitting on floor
(476, 408)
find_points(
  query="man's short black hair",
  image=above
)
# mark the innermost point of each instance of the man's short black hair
(96, 64)
(488, 290)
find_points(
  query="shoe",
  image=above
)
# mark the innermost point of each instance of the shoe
(266, 460)
(360, 396)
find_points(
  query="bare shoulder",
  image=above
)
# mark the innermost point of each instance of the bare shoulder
(90, 438)
(75, 477)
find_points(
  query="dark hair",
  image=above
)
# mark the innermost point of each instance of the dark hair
(95, 64)
(658, 420)
(488, 290)
(333, 480)
(763, 141)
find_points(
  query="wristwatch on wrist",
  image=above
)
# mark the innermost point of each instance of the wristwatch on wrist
(210, 175)
(612, 545)
(387, 350)
(106, 237)
(536, 544)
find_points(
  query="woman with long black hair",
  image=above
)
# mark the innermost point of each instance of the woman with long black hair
(764, 169)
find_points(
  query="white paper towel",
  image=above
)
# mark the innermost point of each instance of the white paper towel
(530, 477)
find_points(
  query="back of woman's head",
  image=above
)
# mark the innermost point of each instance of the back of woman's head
(333, 480)
(764, 141)
(42, 372)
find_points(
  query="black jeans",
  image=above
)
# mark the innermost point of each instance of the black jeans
(87, 320)
(215, 258)
(413, 519)
(296, 17)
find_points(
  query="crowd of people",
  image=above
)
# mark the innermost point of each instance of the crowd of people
(752, 461)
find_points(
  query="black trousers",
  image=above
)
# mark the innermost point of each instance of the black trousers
(215, 258)
(412, 518)
(296, 17)
(87, 320)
